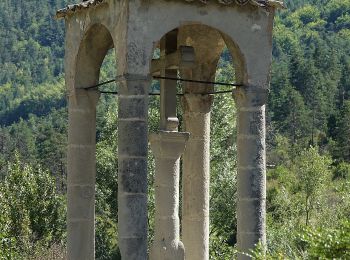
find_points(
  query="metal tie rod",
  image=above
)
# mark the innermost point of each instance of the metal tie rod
(176, 79)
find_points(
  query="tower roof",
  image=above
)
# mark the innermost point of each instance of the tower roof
(70, 9)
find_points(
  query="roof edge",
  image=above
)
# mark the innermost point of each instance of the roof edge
(71, 9)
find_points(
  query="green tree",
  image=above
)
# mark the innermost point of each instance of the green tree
(313, 173)
(326, 243)
(35, 212)
(343, 133)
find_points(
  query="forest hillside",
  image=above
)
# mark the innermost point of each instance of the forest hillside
(308, 139)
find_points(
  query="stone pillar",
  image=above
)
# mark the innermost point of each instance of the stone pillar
(167, 148)
(208, 45)
(132, 166)
(81, 174)
(251, 181)
(196, 177)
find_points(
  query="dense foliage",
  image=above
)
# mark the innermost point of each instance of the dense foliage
(308, 139)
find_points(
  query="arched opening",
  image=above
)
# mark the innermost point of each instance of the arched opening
(106, 209)
(215, 64)
(92, 164)
(223, 166)
(93, 49)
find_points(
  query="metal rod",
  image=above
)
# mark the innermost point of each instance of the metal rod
(217, 92)
(179, 94)
(177, 79)
(200, 81)
(101, 84)
(109, 92)
(116, 93)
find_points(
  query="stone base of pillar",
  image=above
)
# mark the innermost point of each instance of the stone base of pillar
(167, 148)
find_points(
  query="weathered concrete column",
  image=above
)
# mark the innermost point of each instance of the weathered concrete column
(196, 177)
(167, 148)
(132, 165)
(251, 181)
(81, 174)
(208, 45)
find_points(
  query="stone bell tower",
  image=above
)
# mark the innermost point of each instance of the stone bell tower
(191, 36)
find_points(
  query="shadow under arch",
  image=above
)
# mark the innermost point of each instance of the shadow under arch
(239, 61)
(92, 51)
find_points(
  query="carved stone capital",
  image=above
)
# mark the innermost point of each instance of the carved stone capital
(198, 103)
(168, 144)
(250, 96)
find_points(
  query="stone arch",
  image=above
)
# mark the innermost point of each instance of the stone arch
(92, 51)
(232, 45)
(246, 30)
(208, 43)
(134, 26)
(84, 70)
